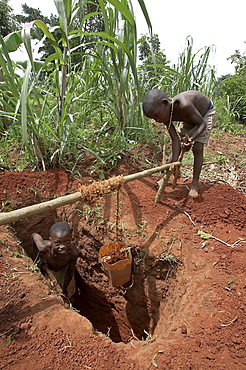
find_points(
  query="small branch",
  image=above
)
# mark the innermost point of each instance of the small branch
(228, 323)
(162, 186)
(234, 245)
(186, 213)
(208, 236)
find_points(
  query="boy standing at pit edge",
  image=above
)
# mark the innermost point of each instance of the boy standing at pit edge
(196, 114)
(59, 255)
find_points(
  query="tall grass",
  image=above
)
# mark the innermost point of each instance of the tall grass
(105, 87)
(65, 110)
(192, 72)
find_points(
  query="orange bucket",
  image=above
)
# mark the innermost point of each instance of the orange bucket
(119, 272)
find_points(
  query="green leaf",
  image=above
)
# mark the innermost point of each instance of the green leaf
(12, 41)
(146, 15)
(204, 235)
(124, 10)
(154, 363)
(47, 33)
(24, 95)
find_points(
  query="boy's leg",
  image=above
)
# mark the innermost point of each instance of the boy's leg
(198, 162)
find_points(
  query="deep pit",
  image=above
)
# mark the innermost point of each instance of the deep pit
(131, 311)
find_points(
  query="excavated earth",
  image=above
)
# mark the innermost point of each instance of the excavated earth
(185, 305)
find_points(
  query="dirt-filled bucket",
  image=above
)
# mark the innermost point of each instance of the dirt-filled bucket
(116, 260)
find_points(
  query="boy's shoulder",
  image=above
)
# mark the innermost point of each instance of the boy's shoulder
(189, 95)
(74, 253)
(191, 100)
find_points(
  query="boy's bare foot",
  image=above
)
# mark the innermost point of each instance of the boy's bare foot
(193, 193)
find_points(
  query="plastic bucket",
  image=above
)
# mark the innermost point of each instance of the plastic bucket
(119, 272)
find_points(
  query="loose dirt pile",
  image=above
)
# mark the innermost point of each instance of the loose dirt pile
(184, 308)
(114, 256)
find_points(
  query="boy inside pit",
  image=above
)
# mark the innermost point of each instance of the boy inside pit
(59, 255)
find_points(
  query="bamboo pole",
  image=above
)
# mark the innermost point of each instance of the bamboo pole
(141, 174)
(163, 185)
(25, 212)
(168, 174)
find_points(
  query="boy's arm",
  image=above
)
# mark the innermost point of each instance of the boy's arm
(176, 148)
(42, 245)
(70, 270)
(200, 123)
(197, 120)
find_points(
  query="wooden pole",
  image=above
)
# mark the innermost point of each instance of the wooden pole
(145, 173)
(163, 185)
(25, 212)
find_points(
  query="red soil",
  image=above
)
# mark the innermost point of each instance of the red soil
(187, 302)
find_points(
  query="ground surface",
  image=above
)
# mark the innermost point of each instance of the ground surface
(185, 306)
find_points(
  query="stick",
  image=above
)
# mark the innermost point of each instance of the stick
(139, 175)
(186, 213)
(162, 186)
(164, 181)
(177, 172)
(25, 212)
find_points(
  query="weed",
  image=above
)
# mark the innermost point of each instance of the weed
(30, 266)
(9, 338)
(30, 190)
(91, 214)
(11, 275)
(142, 257)
(121, 226)
(169, 257)
(19, 253)
(10, 228)
(149, 337)
(6, 206)
(230, 285)
(142, 228)
(162, 240)
(153, 362)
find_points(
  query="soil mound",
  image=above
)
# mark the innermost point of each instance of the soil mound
(219, 203)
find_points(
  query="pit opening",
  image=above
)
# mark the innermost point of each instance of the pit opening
(120, 313)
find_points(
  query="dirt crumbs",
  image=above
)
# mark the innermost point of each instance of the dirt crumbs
(184, 307)
(219, 203)
(114, 256)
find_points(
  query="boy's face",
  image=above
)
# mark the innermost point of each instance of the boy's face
(61, 242)
(161, 113)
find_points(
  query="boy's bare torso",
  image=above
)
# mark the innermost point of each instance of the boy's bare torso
(57, 262)
(189, 106)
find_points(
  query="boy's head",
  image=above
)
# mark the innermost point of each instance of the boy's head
(61, 238)
(156, 105)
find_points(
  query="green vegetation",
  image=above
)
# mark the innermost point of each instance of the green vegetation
(82, 97)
